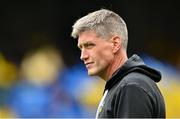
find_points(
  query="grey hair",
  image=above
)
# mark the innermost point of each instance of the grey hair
(105, 23)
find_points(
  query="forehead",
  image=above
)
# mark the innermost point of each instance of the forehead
(88, 36)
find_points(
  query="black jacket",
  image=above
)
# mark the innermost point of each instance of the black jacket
(132, 92)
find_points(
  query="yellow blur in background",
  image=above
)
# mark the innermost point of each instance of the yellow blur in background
(171, 95)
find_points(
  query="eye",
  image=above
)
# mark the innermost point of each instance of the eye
(89, 45)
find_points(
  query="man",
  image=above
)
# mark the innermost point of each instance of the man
(130, 89)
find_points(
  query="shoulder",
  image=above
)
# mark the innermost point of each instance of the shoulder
(137, 81)
(137, 78)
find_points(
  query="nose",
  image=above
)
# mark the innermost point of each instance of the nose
(84, 55)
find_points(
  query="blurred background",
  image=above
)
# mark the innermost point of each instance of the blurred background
(41, 74)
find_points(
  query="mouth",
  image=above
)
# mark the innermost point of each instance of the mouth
(88, 64)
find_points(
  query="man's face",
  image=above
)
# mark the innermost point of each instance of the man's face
(96, 53)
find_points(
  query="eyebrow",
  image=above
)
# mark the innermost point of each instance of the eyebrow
(83, 44)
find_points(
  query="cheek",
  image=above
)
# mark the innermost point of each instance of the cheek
(106, 52)
(105, 56)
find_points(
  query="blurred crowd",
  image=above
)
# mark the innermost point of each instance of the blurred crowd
(43, 86)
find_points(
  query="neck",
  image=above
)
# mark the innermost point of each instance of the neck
(119, 59)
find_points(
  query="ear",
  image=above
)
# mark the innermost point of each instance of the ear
(116, 40)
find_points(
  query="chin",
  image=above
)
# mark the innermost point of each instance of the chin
(92, 73)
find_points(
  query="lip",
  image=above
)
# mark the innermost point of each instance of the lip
(88, 64)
